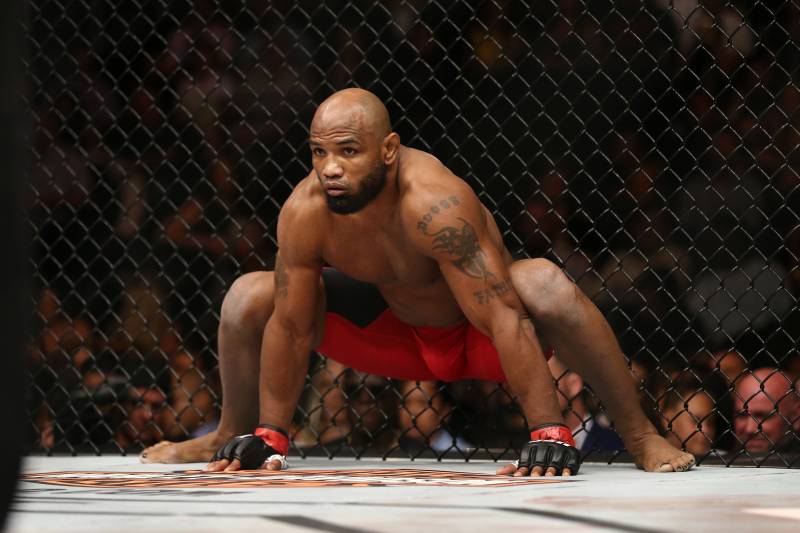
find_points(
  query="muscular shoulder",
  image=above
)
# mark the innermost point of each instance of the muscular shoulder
(433, 196)
(301, 222)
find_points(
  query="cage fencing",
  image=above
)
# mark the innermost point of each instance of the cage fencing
(650, 149)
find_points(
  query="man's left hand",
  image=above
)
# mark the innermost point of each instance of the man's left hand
(550, 452)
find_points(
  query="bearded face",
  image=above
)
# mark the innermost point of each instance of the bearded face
(353, 201)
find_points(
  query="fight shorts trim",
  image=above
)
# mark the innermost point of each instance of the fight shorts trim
(361, 332)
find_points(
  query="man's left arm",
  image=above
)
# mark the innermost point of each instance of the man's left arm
(456, 235)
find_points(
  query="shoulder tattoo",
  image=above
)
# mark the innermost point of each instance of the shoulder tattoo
(462, 244)
(434, 210)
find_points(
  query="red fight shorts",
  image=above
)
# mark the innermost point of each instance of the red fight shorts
(361, 332)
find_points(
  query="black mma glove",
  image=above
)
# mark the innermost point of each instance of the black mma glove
(266, 443)
(551, 445)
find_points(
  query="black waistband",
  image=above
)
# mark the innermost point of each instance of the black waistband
(360, 303)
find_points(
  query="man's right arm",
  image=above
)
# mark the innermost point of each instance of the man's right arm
(289, 333)
(288, 339)
(285, 346)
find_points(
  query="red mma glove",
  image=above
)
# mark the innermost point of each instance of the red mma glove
(267, 443)
(551, 445)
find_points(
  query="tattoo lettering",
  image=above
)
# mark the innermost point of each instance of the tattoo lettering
(281, 278)
(494, 290)
(422, 225)
(463, 244)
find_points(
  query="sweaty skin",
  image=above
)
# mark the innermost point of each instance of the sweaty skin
(420, 234)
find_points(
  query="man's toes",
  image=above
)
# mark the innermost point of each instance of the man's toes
(684, 463)
(147, 455)
(679, 464)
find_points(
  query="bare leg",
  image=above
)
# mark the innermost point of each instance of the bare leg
(245, 311)
(585, 342)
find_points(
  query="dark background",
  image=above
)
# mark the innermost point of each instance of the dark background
(649, 149)
(15, 304)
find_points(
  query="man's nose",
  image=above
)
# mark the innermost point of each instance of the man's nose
(331, 169)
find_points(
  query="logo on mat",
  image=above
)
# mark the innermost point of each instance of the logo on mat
(262, 479)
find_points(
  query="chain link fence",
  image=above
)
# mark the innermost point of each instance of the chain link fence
(650, 149)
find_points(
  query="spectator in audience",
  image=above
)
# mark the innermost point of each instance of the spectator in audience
(423, 418)
(141, 407)
(689, 415)
(191, 408)
(144, 335)
(64, 340)
(767, 410)
(421, 411)
(65, 343)
(542, 228)
(329, 414)
(728, 363)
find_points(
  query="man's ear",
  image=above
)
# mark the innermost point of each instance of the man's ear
(390, 148)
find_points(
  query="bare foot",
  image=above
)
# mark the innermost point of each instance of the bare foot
(653, 453)
(199, 450)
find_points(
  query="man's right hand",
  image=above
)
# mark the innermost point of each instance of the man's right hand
(265, 449)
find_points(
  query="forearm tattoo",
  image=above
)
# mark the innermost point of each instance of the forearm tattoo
(494, 290)
(281, 278)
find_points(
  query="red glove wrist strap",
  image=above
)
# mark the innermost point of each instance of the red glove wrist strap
(275, 439)
(556, 433)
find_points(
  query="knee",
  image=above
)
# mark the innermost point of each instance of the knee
(249, 302)
(545, 291)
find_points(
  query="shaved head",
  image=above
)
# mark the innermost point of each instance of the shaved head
(768, 382)
(767, 407)
(356, 110)
(353, 149)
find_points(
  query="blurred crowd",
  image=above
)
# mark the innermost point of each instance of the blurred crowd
(651, 151)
